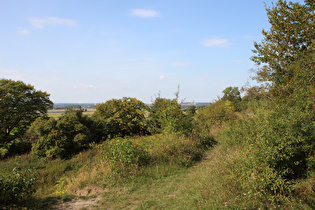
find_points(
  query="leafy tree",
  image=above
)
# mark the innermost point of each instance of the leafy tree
(121, 117)
(291, 32)
(232, 94)
(280, 135)
(62, 137)
(20, 105)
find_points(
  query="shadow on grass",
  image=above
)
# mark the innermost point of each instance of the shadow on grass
(38, 203)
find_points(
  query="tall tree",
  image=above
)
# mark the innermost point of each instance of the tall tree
(291, 33)
(122, 116)
(20, 105)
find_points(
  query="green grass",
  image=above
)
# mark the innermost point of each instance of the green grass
(50, 174)
(174, 178)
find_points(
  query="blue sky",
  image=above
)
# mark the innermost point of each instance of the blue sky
(92, 51)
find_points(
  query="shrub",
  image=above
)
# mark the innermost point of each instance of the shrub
(125, 155)
(19, 186)
(214, 114)
(278, 147)
(233, 95)
(62, 138)
(121, 117)
(167, 116)
(177, 149)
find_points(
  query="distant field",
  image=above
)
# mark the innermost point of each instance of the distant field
(59, 112)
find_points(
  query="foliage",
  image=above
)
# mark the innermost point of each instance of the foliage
(19, 186)
(291, 32)
(20, 105)
(166, 115)
(253, 93)
(177, 149)
(299, 90)
(121, 117)
(62, 137)
(191, 110)
(278, 149)
(277, 135)
(215, 114)
(125, 155)
(233, 95)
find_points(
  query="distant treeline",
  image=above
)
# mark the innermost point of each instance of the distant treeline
(91, 105)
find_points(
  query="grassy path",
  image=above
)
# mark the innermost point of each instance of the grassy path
(200, 186)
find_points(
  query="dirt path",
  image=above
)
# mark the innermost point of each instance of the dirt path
(76, 204)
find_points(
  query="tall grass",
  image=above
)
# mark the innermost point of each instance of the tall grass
(125, 160)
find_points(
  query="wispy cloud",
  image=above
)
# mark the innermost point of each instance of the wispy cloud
(144, 13)
(51, 21)
(161, 77)
(179, 63)
(216, 42)
(23, 31)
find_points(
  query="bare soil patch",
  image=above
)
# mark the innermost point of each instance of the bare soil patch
(92, 192)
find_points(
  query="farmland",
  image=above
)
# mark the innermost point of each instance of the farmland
(58, 112)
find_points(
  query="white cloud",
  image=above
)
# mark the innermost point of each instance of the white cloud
(161, 77)
(144, 13)
(24, 31)
(180, 63)
(51, 21)
(90, 86)
(216, 42)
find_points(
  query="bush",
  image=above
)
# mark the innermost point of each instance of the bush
(125, 155)
(167, 116)
(177, 149)
(19, 186)
(214, 114)
(121, 117)
(62, 138)
(278, 145)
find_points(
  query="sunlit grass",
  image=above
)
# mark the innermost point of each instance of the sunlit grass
(181, 174)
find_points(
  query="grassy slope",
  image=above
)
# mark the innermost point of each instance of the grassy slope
(197, 187)
(206, 184)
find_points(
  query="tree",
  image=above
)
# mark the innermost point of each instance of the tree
(63, 137)
(233, 95)
(291, 33)
(20, 105)
(122, 117)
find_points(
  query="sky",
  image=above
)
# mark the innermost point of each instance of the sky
(82, 51)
